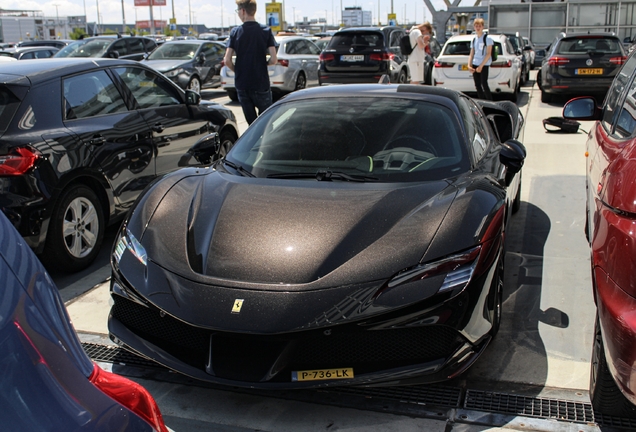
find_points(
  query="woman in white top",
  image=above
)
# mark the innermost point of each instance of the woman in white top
(419, 37)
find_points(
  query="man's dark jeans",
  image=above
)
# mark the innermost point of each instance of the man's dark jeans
(251, 100)
(481, 83)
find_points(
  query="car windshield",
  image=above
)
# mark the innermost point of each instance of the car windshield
(583, 45)
(85, 48)
(355, 139)
(349, 39)
(175, 51)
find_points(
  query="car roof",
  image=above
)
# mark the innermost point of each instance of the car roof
(46, 69)
(464, 38)
(588, 35)
(439, 94)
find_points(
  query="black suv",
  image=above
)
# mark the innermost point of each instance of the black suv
(521, 49)
(363, 55)
(126, 47)
(580, 65)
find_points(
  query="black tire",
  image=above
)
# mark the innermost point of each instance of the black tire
(401, 78)
(546, 97)
(195, 84)
(539, 79)
(527, 76)
(231, 93)
(605, 395)
(227, 139)
(522, 78)
(76, 230)
(301, 82)
(496, 301)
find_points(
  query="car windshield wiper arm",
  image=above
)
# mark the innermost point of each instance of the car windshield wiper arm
(324, 175)
(238, 168)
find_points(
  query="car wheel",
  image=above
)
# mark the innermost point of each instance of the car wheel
(232, 95)
(401, 79)
(605, 395)
(522, 78)
(526, 77)
(194, 84)
(497, 296)
(301, 82)
(76, 230)
(546, 97)
(539, 79)
(227, 142)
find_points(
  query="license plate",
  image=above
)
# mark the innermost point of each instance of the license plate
(351, 58)
(462, 67)
(589, 71)
(322, 374)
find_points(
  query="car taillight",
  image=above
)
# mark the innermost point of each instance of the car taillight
(379, 56)
(618, 60)
(326, 57)
(557, 61)
(505, 64)
(439, 64)
(19, 162)
(129, 394)
(284, 63)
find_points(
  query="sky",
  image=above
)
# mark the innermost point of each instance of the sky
(217, 13)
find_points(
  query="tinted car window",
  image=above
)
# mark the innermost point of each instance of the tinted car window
(212, 50)
(347, 39)
(149, 89)
(135, 46)
(583, 45)
(8, 106)
(457, 48)
(616, 92)
(87, 48)
(149, 44)
(120, 47)
(90, 95)
(424, 142)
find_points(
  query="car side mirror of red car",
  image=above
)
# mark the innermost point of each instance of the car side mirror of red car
(582, 108)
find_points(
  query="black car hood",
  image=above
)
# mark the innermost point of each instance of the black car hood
(221, 228)
(166, 65)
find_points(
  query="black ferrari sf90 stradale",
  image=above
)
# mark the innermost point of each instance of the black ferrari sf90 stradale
(353, 236)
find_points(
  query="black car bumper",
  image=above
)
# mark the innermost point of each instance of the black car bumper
(427, 342)
(578, 86)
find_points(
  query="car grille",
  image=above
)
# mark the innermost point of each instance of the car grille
(256, 358)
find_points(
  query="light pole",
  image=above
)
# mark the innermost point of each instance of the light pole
(85, 19)
(57, 20)
(123, 18)
(98, 23)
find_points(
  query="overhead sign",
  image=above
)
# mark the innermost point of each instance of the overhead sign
(146, 24)
(147, 2)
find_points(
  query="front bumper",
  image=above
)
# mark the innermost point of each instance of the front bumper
(429, 341)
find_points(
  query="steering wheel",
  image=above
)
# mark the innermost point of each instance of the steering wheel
(401, 158)
(422, 144)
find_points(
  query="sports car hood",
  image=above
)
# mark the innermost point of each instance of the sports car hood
(166, 65)
(266, 231)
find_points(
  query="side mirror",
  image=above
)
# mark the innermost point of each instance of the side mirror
(113, 54)
(512, 156)
(582, 108)
(201, 58)
(192, 97)
(518, 52)
(204, 151)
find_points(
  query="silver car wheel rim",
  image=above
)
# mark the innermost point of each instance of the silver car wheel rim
(80, 227)
(195, 86)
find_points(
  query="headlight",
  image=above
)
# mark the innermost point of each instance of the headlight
(458, 268)
(127, 241)
(173, 72)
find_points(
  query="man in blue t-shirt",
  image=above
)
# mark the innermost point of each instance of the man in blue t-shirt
(251, 42)
(480, 59)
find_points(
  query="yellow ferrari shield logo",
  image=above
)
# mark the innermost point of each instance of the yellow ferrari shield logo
(238, 304)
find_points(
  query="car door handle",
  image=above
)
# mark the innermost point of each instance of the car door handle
(158, 127)
(97, 140)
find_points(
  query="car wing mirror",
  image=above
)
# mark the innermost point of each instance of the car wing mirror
(192, 97)
(114, 54)
(582, 108)
(512, 156)
(201, 58)
(203, 152)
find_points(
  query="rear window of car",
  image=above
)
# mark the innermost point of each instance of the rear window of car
(348, 39)
(583, 45)
(423, 143)
(9, 104)
(463, 48)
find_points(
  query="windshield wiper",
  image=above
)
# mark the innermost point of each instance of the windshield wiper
(323, 175)
(238, 168)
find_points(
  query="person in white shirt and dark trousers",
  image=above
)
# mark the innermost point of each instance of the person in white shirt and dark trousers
(419, 36)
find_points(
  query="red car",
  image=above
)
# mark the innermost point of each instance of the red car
(611, 231)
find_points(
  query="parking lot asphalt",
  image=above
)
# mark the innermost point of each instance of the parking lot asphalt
(542, 350)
